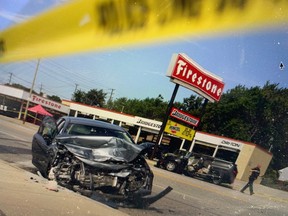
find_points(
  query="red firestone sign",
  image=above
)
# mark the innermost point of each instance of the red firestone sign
(185, 72)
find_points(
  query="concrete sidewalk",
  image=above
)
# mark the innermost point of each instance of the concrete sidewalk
(24, 193)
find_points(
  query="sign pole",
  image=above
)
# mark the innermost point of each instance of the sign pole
(169, 108)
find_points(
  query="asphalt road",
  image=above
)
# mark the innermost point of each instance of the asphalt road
(189, 196)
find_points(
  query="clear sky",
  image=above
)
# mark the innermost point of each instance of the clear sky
(246, 58)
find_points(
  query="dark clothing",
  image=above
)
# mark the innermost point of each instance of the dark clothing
(253, 176)
(255, 173)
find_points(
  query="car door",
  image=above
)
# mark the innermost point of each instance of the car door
(41, 144)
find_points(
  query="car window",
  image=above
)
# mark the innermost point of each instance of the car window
(48, 128)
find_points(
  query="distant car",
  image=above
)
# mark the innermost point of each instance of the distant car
(149, 148)
(172, 161)
(202, 166)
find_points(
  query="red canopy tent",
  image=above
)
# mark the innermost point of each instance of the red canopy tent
(38, 109)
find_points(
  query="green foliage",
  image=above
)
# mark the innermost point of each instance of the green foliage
(153, 108)
(54, 98)
(257, 115)
(93, 97)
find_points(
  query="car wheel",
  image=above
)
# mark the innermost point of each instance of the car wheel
(170, 166)
(217, 178)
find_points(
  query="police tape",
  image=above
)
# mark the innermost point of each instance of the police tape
(84, 25)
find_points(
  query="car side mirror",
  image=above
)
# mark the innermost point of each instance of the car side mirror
(47, 138)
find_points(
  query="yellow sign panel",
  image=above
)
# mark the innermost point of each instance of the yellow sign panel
(83, 25)
(179, 130)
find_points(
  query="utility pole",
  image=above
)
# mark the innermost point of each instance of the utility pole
(41, 86)
(10, 78)
(111, 94)
(76, 86)
(30, 93)
(110, 99)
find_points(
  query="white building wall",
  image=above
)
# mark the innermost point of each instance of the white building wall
(102, 113)
(217, 140)
(13, 92)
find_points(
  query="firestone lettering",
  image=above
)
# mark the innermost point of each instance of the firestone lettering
(197, 79)
(151, 124)
(45, 102)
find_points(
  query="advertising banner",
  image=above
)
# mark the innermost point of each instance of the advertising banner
(179, 130)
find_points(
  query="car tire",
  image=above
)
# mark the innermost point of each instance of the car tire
(170, 166)
(217, 178)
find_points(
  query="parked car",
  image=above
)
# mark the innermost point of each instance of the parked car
(210, 168)
(149, 148)
(87, 155)
(202, 166)
(172, 161)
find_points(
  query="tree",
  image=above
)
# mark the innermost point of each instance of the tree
(96, 97)
(93, 97)
(257, 115)
(153, 108)
(54, 98)
(79, 96)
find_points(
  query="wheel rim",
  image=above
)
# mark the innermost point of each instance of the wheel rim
(170, 166)
(217, 179)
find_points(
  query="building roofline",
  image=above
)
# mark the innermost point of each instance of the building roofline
(245, 142)
(100, 108)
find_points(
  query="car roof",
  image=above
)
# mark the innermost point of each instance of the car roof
(92, 122)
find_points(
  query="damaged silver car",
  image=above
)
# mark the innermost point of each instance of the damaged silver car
(90, 156)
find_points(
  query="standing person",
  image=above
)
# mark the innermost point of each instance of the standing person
(253, 176)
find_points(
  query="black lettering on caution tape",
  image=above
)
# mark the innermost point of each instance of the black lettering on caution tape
(223, 5)
(128, 15)
(2, 47)
(116, 19)
(108, 17)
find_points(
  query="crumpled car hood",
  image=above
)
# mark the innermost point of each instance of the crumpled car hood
(101, 149)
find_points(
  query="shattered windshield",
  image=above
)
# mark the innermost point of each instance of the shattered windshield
(88, 130)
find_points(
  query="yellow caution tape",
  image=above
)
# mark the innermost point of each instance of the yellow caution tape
(84, 25)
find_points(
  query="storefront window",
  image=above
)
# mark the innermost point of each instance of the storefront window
(227, 155)
(203, 149)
